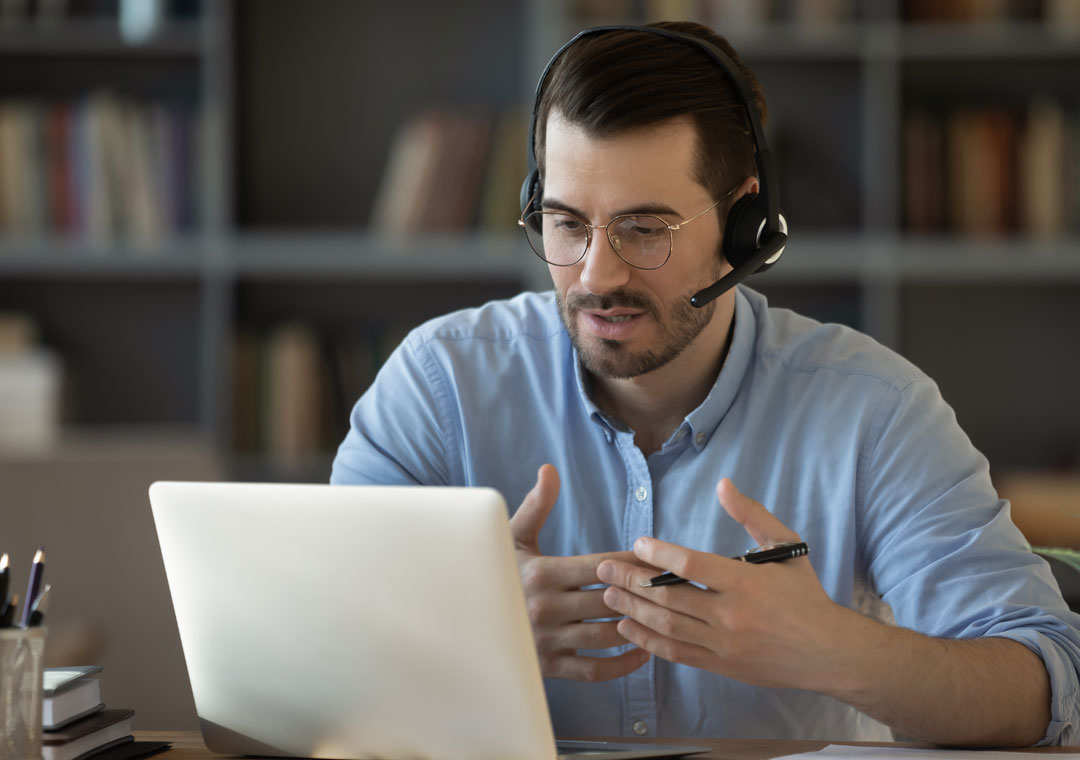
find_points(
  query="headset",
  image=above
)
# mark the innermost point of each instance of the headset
(755, 232)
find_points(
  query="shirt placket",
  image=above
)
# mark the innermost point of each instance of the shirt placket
(639, 714)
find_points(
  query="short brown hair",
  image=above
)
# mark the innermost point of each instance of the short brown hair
(619, 81)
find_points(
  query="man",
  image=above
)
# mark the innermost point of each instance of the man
(643, 435)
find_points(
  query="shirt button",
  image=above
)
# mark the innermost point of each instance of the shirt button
(641, 494)
(700, 439)
(681, 434)
(641, 727)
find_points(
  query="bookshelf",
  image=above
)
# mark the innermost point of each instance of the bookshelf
(301, 103)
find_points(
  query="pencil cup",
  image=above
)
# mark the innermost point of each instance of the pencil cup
(22, 652)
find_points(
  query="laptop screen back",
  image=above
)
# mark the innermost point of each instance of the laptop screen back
(352, 621)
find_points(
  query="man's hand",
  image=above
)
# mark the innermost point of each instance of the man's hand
(559, 609)
(769, 624)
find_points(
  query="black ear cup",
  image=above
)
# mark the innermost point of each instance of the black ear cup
(528, 188)
(741, 228)
(530, 191)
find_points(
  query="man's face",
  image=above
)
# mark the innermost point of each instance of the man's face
(625, 322)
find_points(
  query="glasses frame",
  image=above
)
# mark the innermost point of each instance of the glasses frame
(671, 228)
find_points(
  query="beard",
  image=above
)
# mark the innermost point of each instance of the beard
(611, 359)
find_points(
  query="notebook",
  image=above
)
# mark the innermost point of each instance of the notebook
(357, 622)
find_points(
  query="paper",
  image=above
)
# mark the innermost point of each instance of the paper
(844, 752)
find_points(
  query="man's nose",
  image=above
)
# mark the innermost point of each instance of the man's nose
(602, 270)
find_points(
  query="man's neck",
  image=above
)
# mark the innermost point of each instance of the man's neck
(655, 404)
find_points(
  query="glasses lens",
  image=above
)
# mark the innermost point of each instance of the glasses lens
(557, 238)
(641, 241)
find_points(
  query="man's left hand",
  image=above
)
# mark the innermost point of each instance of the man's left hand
(769, 624)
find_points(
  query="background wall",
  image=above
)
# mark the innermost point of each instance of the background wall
(213, 232)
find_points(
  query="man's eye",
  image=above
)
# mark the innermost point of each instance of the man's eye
(567, 224)
(643, 228)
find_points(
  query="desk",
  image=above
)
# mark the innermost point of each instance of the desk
(187, 745)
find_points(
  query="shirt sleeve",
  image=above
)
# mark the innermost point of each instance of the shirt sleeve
(401, 431)
(941, 549)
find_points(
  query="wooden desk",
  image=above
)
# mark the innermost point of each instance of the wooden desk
(187, 745)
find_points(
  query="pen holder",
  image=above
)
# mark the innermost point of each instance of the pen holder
(22, 654)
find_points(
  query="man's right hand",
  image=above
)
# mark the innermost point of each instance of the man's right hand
(559, 609)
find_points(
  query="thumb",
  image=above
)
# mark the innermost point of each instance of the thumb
(526, 523)
(759, 522)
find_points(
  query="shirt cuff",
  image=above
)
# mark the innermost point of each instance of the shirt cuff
(1064, 726)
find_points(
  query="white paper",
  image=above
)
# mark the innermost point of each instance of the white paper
(844, 752)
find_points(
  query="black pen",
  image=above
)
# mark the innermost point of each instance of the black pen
(3, 579)
(768, 553)
(37, 570)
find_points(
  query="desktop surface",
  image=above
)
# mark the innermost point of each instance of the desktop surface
(188, 745)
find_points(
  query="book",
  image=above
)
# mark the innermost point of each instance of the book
(1042, 170)
(293, 399)
(69, 695)
(924, 180)
(88, 735)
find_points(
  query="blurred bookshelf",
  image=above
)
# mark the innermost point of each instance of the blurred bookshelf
(253, 285)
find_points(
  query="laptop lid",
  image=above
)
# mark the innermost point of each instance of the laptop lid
(354, 622)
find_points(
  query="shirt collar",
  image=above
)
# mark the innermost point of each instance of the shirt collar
(701, 422)
(704, 420)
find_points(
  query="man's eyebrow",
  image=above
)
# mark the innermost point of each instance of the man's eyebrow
(644, 208)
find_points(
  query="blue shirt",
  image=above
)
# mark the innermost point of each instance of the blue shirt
(847, 443)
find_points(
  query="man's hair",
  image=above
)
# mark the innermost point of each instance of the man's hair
(615, 82)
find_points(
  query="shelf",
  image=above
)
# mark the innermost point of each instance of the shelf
(76, 38)
(66, 258)
(314, 256)
(978, 42)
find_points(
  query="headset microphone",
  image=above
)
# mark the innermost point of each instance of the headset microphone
(755, 231)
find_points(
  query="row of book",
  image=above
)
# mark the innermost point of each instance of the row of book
(451, 171)
(100, 169)
(992, 171)
(77, 725)
(294, 386)
(724, 15)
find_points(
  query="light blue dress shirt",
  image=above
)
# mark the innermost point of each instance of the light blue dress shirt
(846, 442)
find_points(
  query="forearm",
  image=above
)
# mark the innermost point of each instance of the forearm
(989, 692)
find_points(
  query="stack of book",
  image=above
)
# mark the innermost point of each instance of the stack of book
(77, 725)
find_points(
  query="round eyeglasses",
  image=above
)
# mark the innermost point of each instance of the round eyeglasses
(643, 241)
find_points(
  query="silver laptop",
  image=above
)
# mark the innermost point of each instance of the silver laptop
(357, 622)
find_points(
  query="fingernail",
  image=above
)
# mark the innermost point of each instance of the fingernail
(612, 597)
(640, 545)
(605, 571)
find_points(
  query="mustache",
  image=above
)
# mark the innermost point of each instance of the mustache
(617, 299)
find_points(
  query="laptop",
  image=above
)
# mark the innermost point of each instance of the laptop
(383, 622)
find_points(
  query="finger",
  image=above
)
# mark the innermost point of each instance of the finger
(709, 570)
(566, 573)
(663, 620)
(582, 668)
(579, 636)
(666, 648)
(526, 523)
(684, 598)
(562, 607)
(759, 522)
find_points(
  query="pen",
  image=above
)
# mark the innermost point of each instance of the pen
(768, 553)
(3, 579)
(37, 570)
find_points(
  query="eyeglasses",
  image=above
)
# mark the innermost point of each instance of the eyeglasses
(643, 241)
